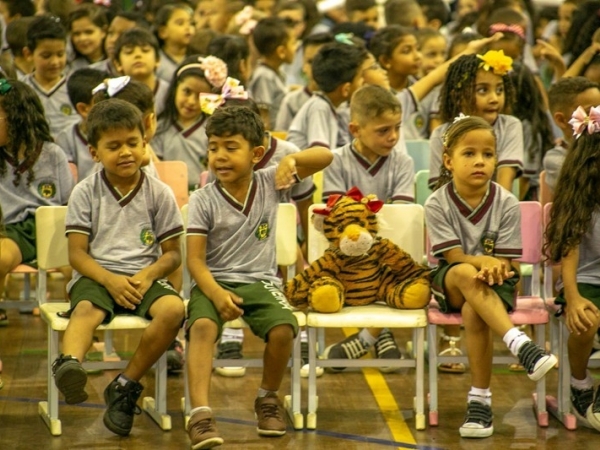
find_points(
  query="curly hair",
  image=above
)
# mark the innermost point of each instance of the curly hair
(236, 120)
(26, 128)
(458, 91)
(584, 24)
(576, 196)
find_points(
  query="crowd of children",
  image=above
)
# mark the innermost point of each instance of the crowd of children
(261, 95)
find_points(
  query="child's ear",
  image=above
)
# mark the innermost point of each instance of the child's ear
(83, 109)
(118, 65)
(354, 128)
(259, 152)
(560, 119)
(280, 51)
(345, 90)
(27, 53)
(447, 161)
(94, 153)
(384, 61)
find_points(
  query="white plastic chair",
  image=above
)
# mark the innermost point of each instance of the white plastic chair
(419, 151)
(403, 224)
(52, 250)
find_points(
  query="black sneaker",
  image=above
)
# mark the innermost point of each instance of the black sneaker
(121, 402)
(175, 359)
(70, 379)
(581, 399)
(593, 412)
(386, 348)
(350, 348)
(478, 421)
(230, 350)
(535, 360)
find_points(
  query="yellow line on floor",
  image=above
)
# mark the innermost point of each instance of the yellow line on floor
(385, 400)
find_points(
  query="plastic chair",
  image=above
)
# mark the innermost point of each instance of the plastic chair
(419, 151)
(286, 256)
(52, 249)
(203, 178)
(422, 191)
(404, 226)
(175, 174)
(318, 182)
(529, 310)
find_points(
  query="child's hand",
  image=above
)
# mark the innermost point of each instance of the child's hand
(493, 271)
(589, 53)
(548, 52)
(144, 282)
(124, 290)
(478, 45)
(577, 320)
(285, 175)
(227, 303)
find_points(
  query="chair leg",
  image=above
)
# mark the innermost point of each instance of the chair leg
(156, 407)
(311, 418)
(433, 393)
(293, 402)
(419, 339)
(186, 406)
(539, 397)
(49, 410)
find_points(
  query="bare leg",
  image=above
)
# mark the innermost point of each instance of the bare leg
(80, 331)
(10, 257)
(580, 347)
(202, 337)
(479, 347)
(277, 354)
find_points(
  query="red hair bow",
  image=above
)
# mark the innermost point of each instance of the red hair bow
(354, 193)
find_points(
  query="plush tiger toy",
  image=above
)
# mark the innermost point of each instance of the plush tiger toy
(359, 267)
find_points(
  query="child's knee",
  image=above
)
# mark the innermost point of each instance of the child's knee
(85, 308)
(203, 329)
(282, 334)
(463, 274)
(173, 311)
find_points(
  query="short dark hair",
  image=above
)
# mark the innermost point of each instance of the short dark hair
(270, 33)
(45, 27)
(164, 13)
(25, 8)
(435, 9)
(132, 16)
(136, 37)
(231, 49)
(359, 5)
(561, 94)
(81, 82)
(95, 13)
(336, 64)
(401, 12)
(110, 115)
(236, 120)
(16, 34)
(318, 39)
(386, 39)
(371, 101)
(134, 93)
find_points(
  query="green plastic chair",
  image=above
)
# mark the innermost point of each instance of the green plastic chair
(422, 191)
(419, 151)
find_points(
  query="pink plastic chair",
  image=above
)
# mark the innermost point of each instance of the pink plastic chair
(203, 178)
(175, 174)
(529, 310)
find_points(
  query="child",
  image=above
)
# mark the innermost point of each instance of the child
(363, 11)
(436, 13)
(406, 13)
(123, 229)
(478, 85)
(572, 237)
(174, 28)
(564, 97)
(474, 228)
(229, 218)
(432, 46)
(275, 42)
(235, 52)
(565, 16)
(16, 38)
(180, 135)
(73, 140)
(11, 10)
(33, 172)
(87, 26)
(136, 55)
(47, 48)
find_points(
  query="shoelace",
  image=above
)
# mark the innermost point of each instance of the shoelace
(477, 412)
(204, 425)
(269, 410)
(582, 399)
(127, 401)
(596, 404)
(230, 350)
(384, 343)
(354, 348)
(529, 355)
(61, 359)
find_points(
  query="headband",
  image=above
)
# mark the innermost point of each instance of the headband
(580, 121)
(504, 28)
(214, 69)
(496, 61)
(111, 86)
(345, 38)
(231, 90)
(5, 86)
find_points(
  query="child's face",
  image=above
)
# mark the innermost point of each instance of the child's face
(359, 80)
(586, 99)
(179, 29)
(405, 59)
(120, 151)
(49, 59)
(309, 54)
(202, 13)
(290, 48)
(465, 7)
(378, 136)
(368, 16)
(433, 52)
(565, 16)
(489, 95)
(472, 160)
(187, 99)
(265, 6)
(87, 37)
(512, 47)
(375, 75)
(231, 158)
(117, 27)
(296, 17)
(137, 61)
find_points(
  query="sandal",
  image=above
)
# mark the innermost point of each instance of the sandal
(452, 350)
(3, 318)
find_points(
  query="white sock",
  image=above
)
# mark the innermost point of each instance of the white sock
(586, 383)
(366, 338)
(514, 338)
(263, 392)
(122, 379)
(232, 334)
(200, 408)
(480, 395)
(303, 336)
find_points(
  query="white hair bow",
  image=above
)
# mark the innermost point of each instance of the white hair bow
(112, 86)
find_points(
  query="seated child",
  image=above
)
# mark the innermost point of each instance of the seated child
(87, 27)
(406, 13)
(16, 38)
(123, 229)
(363, 11)
(174, 29)
(231, 256)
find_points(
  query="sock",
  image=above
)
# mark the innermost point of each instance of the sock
(263, 392)
(200, 408)
(122, 379)
(480, 395)
(586, 383)
(366, 338)
(232, 334)
(303, 336)
(514, 338)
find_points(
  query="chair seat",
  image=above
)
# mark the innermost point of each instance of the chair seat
(380, 316)
(240, 323)
(121, 322)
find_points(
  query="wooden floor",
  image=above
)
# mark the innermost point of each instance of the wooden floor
(351, 415)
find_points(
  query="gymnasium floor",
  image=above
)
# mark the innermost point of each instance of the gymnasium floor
(358, 409)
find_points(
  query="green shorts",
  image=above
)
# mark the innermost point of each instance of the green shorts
(264, 307)
(87, 289)
(588, 291)
(507, 291)
(23, 233)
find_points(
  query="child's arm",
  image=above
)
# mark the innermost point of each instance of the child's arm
(301, 165)
(584, 59)
(551, 54)
(164, 266)
(505, 177)
(226, 302)
(492, 270)
(576, 316)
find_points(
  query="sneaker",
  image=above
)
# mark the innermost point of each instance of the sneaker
(386, 348)
(593, 412)
(535, 360)
(202, 430)
(70, 379)
(582, 399)
(478, 421)
(304, 361)
(270, 415)
(175, 359)
(230, 350)
(350, 348)
(121, 402)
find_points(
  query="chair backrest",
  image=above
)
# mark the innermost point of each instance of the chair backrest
(318, 182)
(422, 191)
(546, 194)
(531, 232)
(279, 134)
(419, 151)
(402, 224)
(51, 242)
(203, 178)
(175, 174)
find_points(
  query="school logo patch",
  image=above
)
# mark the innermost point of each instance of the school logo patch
(67, 110)
(147, 237)
(47, 189)
(262, 232)
(419, 121)
(488, 242)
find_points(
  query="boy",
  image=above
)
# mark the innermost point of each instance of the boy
(276, 44)
(47, 50)
(136, 54)
(406, 13)
(73, 140)
(363, 11)
(374, 164)
(231, 257)
(338, 71)
(16, 38)
(564, 97)
(123, 229)
(11, 10)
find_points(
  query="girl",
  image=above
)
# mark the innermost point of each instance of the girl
(432, 46)
(180, 134)
(33, 172)
(474, 229)
(572, 238)
(235, 52)
(174, 28)
(87, 26)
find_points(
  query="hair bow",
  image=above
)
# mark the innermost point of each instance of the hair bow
(460, 117)
(112, 86)
(214, 69)
(505, 28)
(344, 38)
(496, 61)
(245, 21)
(232, 89)
(371, 201)
(580, 121)
(5, 86)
